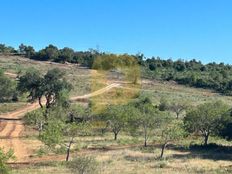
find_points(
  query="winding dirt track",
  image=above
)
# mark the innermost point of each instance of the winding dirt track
(11, 130)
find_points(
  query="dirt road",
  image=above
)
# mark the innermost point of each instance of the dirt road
(11, 129)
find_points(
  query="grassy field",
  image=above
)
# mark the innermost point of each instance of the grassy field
(126, 155)
(120, 158)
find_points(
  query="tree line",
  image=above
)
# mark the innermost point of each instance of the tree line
(193, 73)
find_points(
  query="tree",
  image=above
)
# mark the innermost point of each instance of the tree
(53, 84)
(56, 130)
(177, 108)
(172, 130)
(22, 48)
(6, 49)
(73, 130)
(116, 117)
(206, 119)
(51, 52)
(225, 130)
(28, 51)
(50, 86)
(32, 82)
(52, 133)
(66, 55)
(146, 118)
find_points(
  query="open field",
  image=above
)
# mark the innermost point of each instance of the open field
(115, 157)
(124, 156)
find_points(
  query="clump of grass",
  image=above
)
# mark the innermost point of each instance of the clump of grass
(42, 151)
(161, 163)
(83, 165)
(60, 150)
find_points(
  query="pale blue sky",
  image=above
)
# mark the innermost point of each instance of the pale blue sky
(187, 29)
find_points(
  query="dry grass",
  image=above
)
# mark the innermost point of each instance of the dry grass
(127, 160)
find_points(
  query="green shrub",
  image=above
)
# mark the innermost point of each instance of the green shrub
(4, 157)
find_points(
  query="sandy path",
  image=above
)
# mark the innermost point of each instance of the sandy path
(10, 130)
(11, 74)
(10, 139)
(98, 92)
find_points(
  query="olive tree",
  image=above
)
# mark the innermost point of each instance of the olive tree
(172, 130)
(116, 116)
(206, 119)
(147, 119)
(57, 132)
(177, 108)
(71, 131)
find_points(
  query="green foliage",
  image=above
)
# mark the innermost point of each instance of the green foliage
(65, 55)
(52, 86)
(172, 130)
(146, 117)
(164, 104)
(52, 133)
(41, 151)
(6, 49)
(177, 107)
(7, 88)
(4, 157)
(51, 52)
(28, 51)
(116, 117)
(192, 73)
(35, 118)
(206, 119)
(31, 82)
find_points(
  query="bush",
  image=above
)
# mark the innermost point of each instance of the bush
(7, 88)
(4, 157)
(42, 151)
(83, 165)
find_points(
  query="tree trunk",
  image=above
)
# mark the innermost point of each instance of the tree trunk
(145, 143)
(68, 150)
(206, 139)
(162, 150)
(115, 136)
(145, 140)
(40, 102)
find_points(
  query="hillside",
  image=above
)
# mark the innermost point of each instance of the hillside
(127, 154)
(81, 79)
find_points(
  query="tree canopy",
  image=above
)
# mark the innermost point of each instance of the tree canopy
(206, 119)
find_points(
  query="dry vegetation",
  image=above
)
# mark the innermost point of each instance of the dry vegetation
(126, 155)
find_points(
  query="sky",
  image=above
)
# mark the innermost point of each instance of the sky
(186, 29)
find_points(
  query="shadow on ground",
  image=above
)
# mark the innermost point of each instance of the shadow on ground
(211, 151)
